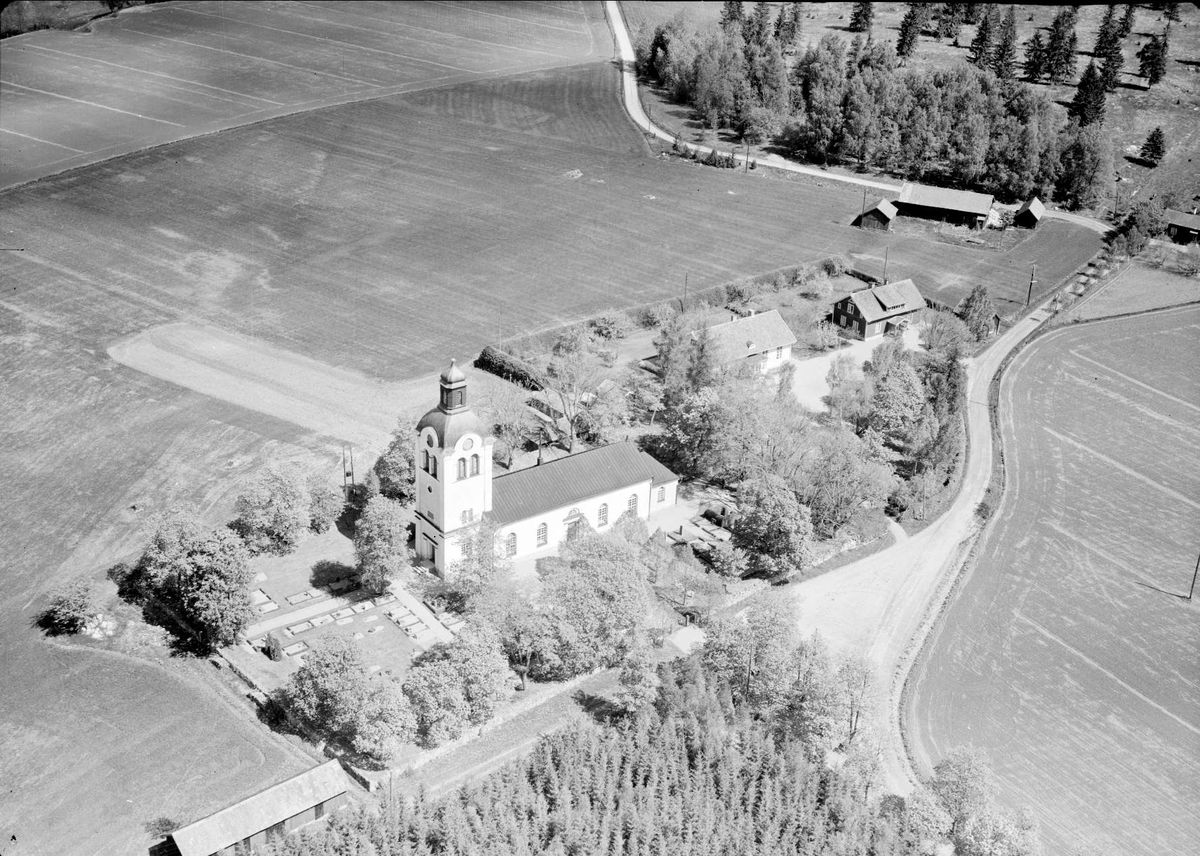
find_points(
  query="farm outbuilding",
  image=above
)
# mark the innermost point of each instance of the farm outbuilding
(878, 216)
(960, 207)
(1030, 214)
(270, 813)
(1183, 228)
(873, 311)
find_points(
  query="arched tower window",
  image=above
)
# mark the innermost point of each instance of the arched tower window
(425, 460)
(474, 465)
(602, 515)
(633, 502)
(462, 468)
(433, 465)
(542, 535)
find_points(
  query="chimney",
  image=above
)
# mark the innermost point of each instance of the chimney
(541, 450)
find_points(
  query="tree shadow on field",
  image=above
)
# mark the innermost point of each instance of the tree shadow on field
(181, 642)
(599, 708)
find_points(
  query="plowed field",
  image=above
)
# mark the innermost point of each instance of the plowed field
(1069, 654)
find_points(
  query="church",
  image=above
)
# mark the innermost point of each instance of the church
(535, 508)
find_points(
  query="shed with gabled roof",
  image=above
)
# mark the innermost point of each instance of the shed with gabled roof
(872, 311)
(961, 207)
(1183, 228)
(878, 216)
(275, 811)
(1030, 213)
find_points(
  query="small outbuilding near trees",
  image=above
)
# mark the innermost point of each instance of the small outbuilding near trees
(878, 216)
(1183, 228)
(1030, 214)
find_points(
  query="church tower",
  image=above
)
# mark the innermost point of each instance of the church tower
(454, 473)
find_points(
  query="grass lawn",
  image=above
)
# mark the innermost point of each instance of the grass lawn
(1068, 654)
(1138, 288)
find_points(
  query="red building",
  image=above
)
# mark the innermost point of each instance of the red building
(873, 311)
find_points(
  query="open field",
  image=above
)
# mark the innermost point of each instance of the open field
(160, 73)
(1068, 654)
(1132, 111)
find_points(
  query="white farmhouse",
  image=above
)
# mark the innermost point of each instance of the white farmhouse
(764, 340)
(534, 508)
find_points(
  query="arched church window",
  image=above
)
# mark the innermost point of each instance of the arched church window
(474, 465)
(510, 544)
(633, 502)
(542, 535)
(602, 515)
(462, 468)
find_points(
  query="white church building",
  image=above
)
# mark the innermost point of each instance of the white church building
(535, 508)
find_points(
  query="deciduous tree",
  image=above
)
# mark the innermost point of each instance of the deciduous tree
(326, 502)
(435, 691)
(978, 313)
(385, 722)
(638, 680)
(773, 527)
(273, 511)
(71, 606)
(330, 689)
(381, 543)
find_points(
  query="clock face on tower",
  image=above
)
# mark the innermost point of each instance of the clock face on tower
(468, 443)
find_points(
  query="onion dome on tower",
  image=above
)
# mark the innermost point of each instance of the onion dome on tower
(452, 418)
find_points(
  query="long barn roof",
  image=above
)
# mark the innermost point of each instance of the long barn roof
(252, 815)
(946, 199)
(567, 481)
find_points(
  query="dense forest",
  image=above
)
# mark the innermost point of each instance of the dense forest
(706, 768)
(977, 125)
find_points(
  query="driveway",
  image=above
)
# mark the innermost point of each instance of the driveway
(809, 383)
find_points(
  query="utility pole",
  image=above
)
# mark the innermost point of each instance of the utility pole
(863, 212)
(747, 162)
(685, 289)
(1192, 590)
(885, 260)
(1032, 272)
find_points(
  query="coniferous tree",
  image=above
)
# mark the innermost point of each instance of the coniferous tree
(861, 17)
(733, 13)
(1126, 26)
(950, 21)
(1060, 49)
(910, 29)
(985, 38)
(971, 13)
(787, 26)
(1152, 59)
(1035, 58)
(1088, 105)
(1155, 147)
(1110, 70)
(1170, 11)
(1004, 57)
(758, 26)
(1107, 36)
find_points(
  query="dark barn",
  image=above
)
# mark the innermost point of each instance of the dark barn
(959, 207)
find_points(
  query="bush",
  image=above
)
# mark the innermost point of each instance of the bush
(71, 606)
(729, 561)
(656, 315)
(835, 265)
(610, 325)
(274, 648)
(510, 368)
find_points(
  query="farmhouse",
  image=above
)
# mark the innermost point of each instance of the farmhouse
(535, 508)
(273, 812)
(1183, 228)
(764, 340)
(873, 311)
(1030, 214)
(960, 207)
(878, 216)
